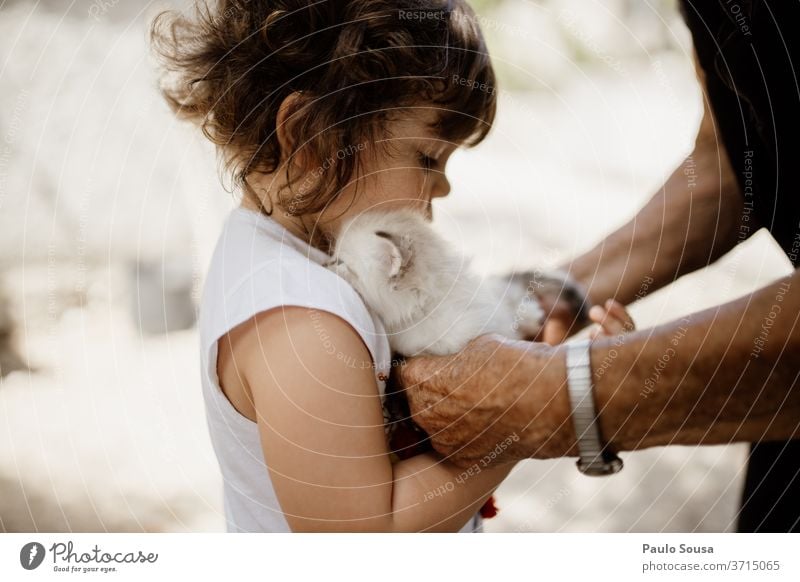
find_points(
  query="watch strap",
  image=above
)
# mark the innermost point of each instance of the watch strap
(594, 458)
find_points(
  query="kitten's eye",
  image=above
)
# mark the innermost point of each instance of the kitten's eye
(426, 161)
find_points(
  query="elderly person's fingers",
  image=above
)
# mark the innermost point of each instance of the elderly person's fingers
(420, 378)
(447, 401)
(497, 400)
(429, 379)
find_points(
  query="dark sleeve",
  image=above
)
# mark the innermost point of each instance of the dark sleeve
(749, 52)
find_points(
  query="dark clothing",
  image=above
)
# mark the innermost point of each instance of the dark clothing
(769, 501)
(748, 50)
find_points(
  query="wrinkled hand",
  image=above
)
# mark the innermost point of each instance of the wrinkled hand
(498, 400)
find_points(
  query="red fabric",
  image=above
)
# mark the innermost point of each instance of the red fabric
(406, 442)
(489, 509)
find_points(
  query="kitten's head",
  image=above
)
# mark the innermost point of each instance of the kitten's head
(388, 257)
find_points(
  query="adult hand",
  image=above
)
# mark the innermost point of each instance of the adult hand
(524, 413)
(565, 305)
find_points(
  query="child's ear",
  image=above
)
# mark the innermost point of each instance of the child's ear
(288, 114)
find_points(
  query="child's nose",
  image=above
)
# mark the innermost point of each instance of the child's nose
(441, 186)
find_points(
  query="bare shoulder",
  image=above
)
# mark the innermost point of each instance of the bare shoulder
(319, 415)
(278, 347)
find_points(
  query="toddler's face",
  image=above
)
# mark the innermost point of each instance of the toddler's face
(410, 173)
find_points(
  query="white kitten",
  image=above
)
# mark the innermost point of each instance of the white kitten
(429, 300)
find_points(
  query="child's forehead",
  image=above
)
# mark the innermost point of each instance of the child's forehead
(415, 123)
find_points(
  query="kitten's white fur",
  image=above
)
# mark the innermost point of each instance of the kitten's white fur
(425, 293)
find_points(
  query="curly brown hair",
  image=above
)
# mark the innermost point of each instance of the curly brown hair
(353, 62)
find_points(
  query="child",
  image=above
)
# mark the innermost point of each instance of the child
(321, 111)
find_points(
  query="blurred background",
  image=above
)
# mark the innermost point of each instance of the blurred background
(109, 210)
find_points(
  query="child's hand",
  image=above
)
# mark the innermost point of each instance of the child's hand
(611, 319)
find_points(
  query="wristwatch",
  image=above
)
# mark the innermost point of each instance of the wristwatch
(595, 459)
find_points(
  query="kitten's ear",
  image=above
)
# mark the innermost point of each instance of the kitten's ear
(394, 253)
(390, 257)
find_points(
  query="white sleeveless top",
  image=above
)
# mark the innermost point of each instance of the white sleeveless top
(257, 265)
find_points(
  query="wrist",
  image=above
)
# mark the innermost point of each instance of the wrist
(611, 397)
(544, 407)
(596, 456)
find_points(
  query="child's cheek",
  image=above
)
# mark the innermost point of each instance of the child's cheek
(404, 186)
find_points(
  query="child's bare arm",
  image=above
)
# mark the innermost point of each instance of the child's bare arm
(321, 424)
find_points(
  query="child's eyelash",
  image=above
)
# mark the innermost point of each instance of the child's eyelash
(426, 161)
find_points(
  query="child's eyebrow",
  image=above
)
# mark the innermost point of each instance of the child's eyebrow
(440, 143)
